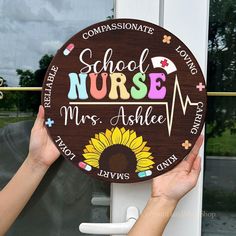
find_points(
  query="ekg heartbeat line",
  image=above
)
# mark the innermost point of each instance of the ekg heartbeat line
(169, 113)
(184, 104)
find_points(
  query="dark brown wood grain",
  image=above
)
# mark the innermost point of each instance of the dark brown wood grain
(127, 45)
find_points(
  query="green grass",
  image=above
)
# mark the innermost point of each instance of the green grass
(222, 146)
(8, 120)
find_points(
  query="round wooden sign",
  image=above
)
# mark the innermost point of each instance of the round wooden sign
(124, 100)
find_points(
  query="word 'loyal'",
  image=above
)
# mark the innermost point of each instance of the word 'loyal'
(78, 82)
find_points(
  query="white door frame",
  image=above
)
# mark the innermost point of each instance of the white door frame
(188, 20)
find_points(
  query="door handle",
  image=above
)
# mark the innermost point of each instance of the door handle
(100, 201)
(112, 228)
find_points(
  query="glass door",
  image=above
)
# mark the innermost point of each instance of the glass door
(31, 32)
(219, 194)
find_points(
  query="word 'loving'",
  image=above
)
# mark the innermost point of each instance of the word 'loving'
(139, 90)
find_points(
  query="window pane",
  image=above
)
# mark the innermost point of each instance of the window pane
(31, 29)
(222, 46)
(219, 198)
(31, 32)
(63, 199)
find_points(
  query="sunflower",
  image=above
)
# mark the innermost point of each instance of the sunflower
(114, 142)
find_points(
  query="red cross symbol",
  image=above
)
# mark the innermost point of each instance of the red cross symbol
(164, 63)
(200, 87)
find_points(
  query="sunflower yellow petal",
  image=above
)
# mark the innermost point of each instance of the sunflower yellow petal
(131, 138)
(92, 162)
(125, 137)
(108, 134)
(90, 155)
(91, 148)
(145, 162)
(122, 130)
(116, 136)
(136, 143)
(104, 140)
(141, 155)
(146, 149)
(85, 150)
(96, 136)
(139, 169)
(98, 145)
(140, 148)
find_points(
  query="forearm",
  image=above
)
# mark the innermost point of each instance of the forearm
(154, 218)
(18, 191)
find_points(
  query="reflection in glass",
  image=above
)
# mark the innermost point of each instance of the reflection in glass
(219, 195)
(221, 69)
(31, 32)
(63, 199)
(219, 198)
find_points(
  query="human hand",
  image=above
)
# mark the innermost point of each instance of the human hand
(167, 190)
(41, 149)
(174, 184)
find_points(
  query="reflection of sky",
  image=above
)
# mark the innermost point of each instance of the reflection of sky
(29, 29)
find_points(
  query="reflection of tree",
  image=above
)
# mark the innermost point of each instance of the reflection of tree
(9, 99)
(221, 65)
(29, 101)
(4, 83)
(112, 15)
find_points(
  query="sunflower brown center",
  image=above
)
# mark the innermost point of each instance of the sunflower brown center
(118, 158)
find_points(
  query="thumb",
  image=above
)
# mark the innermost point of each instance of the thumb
(39, 122)
(195, 171)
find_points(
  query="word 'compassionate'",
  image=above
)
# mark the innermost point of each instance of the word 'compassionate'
(117, 26)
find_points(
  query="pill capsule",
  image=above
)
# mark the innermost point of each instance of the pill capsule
(85, 166)
(144, 173)
(68, 49)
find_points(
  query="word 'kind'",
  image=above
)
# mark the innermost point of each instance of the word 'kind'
(139, 90)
